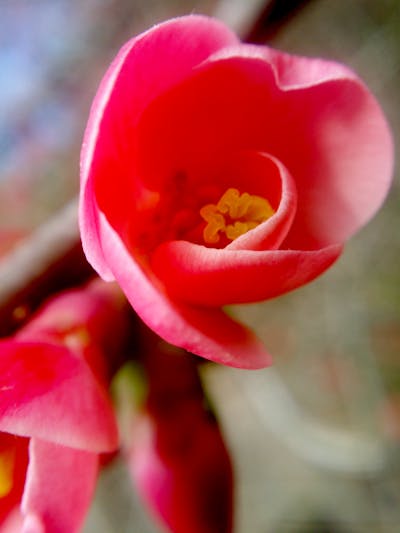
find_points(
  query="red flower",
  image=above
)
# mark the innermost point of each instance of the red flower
(216, 172)
(175, 451)
(55, 413)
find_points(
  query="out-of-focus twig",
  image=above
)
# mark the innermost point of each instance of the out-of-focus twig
(258, 21)
(273, 18)
(50, 259)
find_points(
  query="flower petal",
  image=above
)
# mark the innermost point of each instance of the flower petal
(49, 393)
(144, 68)
(321, 122)
(209, 333)
(82, 320)
(251, 168)
(333, 131)
(183, 472)
(208, 276)
(14, 522)
(59, 486)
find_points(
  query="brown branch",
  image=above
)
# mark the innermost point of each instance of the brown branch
(274, 16)
(49, 260)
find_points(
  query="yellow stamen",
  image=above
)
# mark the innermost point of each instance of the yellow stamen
(215, 223)
(7, 461)
(234, 215)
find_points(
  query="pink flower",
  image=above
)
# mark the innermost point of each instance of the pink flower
(176, 455)
(216, 172)
(55, 413)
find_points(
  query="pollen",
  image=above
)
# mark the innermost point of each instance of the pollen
(7, 461)
(233, 215)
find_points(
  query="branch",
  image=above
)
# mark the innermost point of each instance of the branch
(49, 260)
(258, 21)
(275, 15)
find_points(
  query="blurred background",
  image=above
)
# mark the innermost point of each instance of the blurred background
(315, 439)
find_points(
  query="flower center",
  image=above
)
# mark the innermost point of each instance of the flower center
(234, 215)
(7, 460)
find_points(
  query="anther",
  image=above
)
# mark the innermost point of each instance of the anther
(233, 215)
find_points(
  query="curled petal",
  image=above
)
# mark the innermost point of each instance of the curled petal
(207, 276)
(209, 333)
(270, 179)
